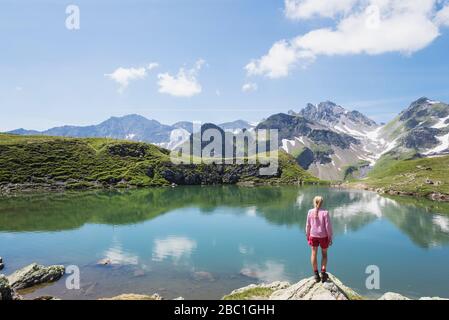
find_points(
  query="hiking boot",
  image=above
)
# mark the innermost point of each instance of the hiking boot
(317, 277)
(324, 276)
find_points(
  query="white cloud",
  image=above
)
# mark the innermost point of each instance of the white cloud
(304, 9)
(152, 65)
(361, 27)
(442, 17)
(249, 87)
(184, 84)
(173, 247)
(268, 272)
(116, 256)
(123, 76)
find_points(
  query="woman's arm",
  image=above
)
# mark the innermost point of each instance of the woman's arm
(308, 226)
(329, 227)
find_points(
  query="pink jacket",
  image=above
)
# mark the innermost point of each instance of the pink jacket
(319, 227)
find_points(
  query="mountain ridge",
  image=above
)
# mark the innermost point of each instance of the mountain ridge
(330, 141)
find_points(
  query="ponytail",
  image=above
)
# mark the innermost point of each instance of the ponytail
(317, 202)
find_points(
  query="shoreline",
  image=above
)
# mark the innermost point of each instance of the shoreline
(31, 188)
(434, 196)
(22, 282)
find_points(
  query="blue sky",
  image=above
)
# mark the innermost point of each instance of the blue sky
(53, 76)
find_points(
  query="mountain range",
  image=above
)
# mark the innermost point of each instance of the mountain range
(135, 128)
(331, 142)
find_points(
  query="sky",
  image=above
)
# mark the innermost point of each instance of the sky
(80, 62)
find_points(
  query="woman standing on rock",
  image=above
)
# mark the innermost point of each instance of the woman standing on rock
(319, 233)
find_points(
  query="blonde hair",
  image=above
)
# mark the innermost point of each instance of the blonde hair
(317, 202)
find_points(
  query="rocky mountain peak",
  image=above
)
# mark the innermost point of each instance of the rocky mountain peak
(331, 113)
(424, 108)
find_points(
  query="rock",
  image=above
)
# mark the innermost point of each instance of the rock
(133, 296)
(46, 298)
(35, 274)
(436, 196)
(179, 298)
(277, 285)
(104, 262)
(139, 273)
(393, 296)
(203, 276)
(2, 266)
(6, 291)
(306, 289)
(309, 289)
(428, 181)
(251, 292)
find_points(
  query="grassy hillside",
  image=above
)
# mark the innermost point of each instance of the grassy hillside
(78, 163)
(422, 176)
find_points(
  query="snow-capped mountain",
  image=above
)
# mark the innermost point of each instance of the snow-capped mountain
(136, 128)
(333, 143)
(423, 128)
(330, 141)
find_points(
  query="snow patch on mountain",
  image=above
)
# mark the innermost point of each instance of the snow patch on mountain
(441, 123)
(442, 147)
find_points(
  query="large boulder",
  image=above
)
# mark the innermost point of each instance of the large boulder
(35, 274)
(306, 289)
(309, 289)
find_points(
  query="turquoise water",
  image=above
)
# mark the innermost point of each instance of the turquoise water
(203, 242)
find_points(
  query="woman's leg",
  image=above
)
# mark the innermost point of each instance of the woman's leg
(323, 259)
(313, 258)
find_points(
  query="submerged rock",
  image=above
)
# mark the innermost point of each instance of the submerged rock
(45, 298)
(132, 296)
(35, 274)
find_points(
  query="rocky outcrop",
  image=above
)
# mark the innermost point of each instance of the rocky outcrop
(6, 292)
(256, 291)
(421, 138)
(332, 138)
(308, 289)
(35, 274)
(213, 174)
